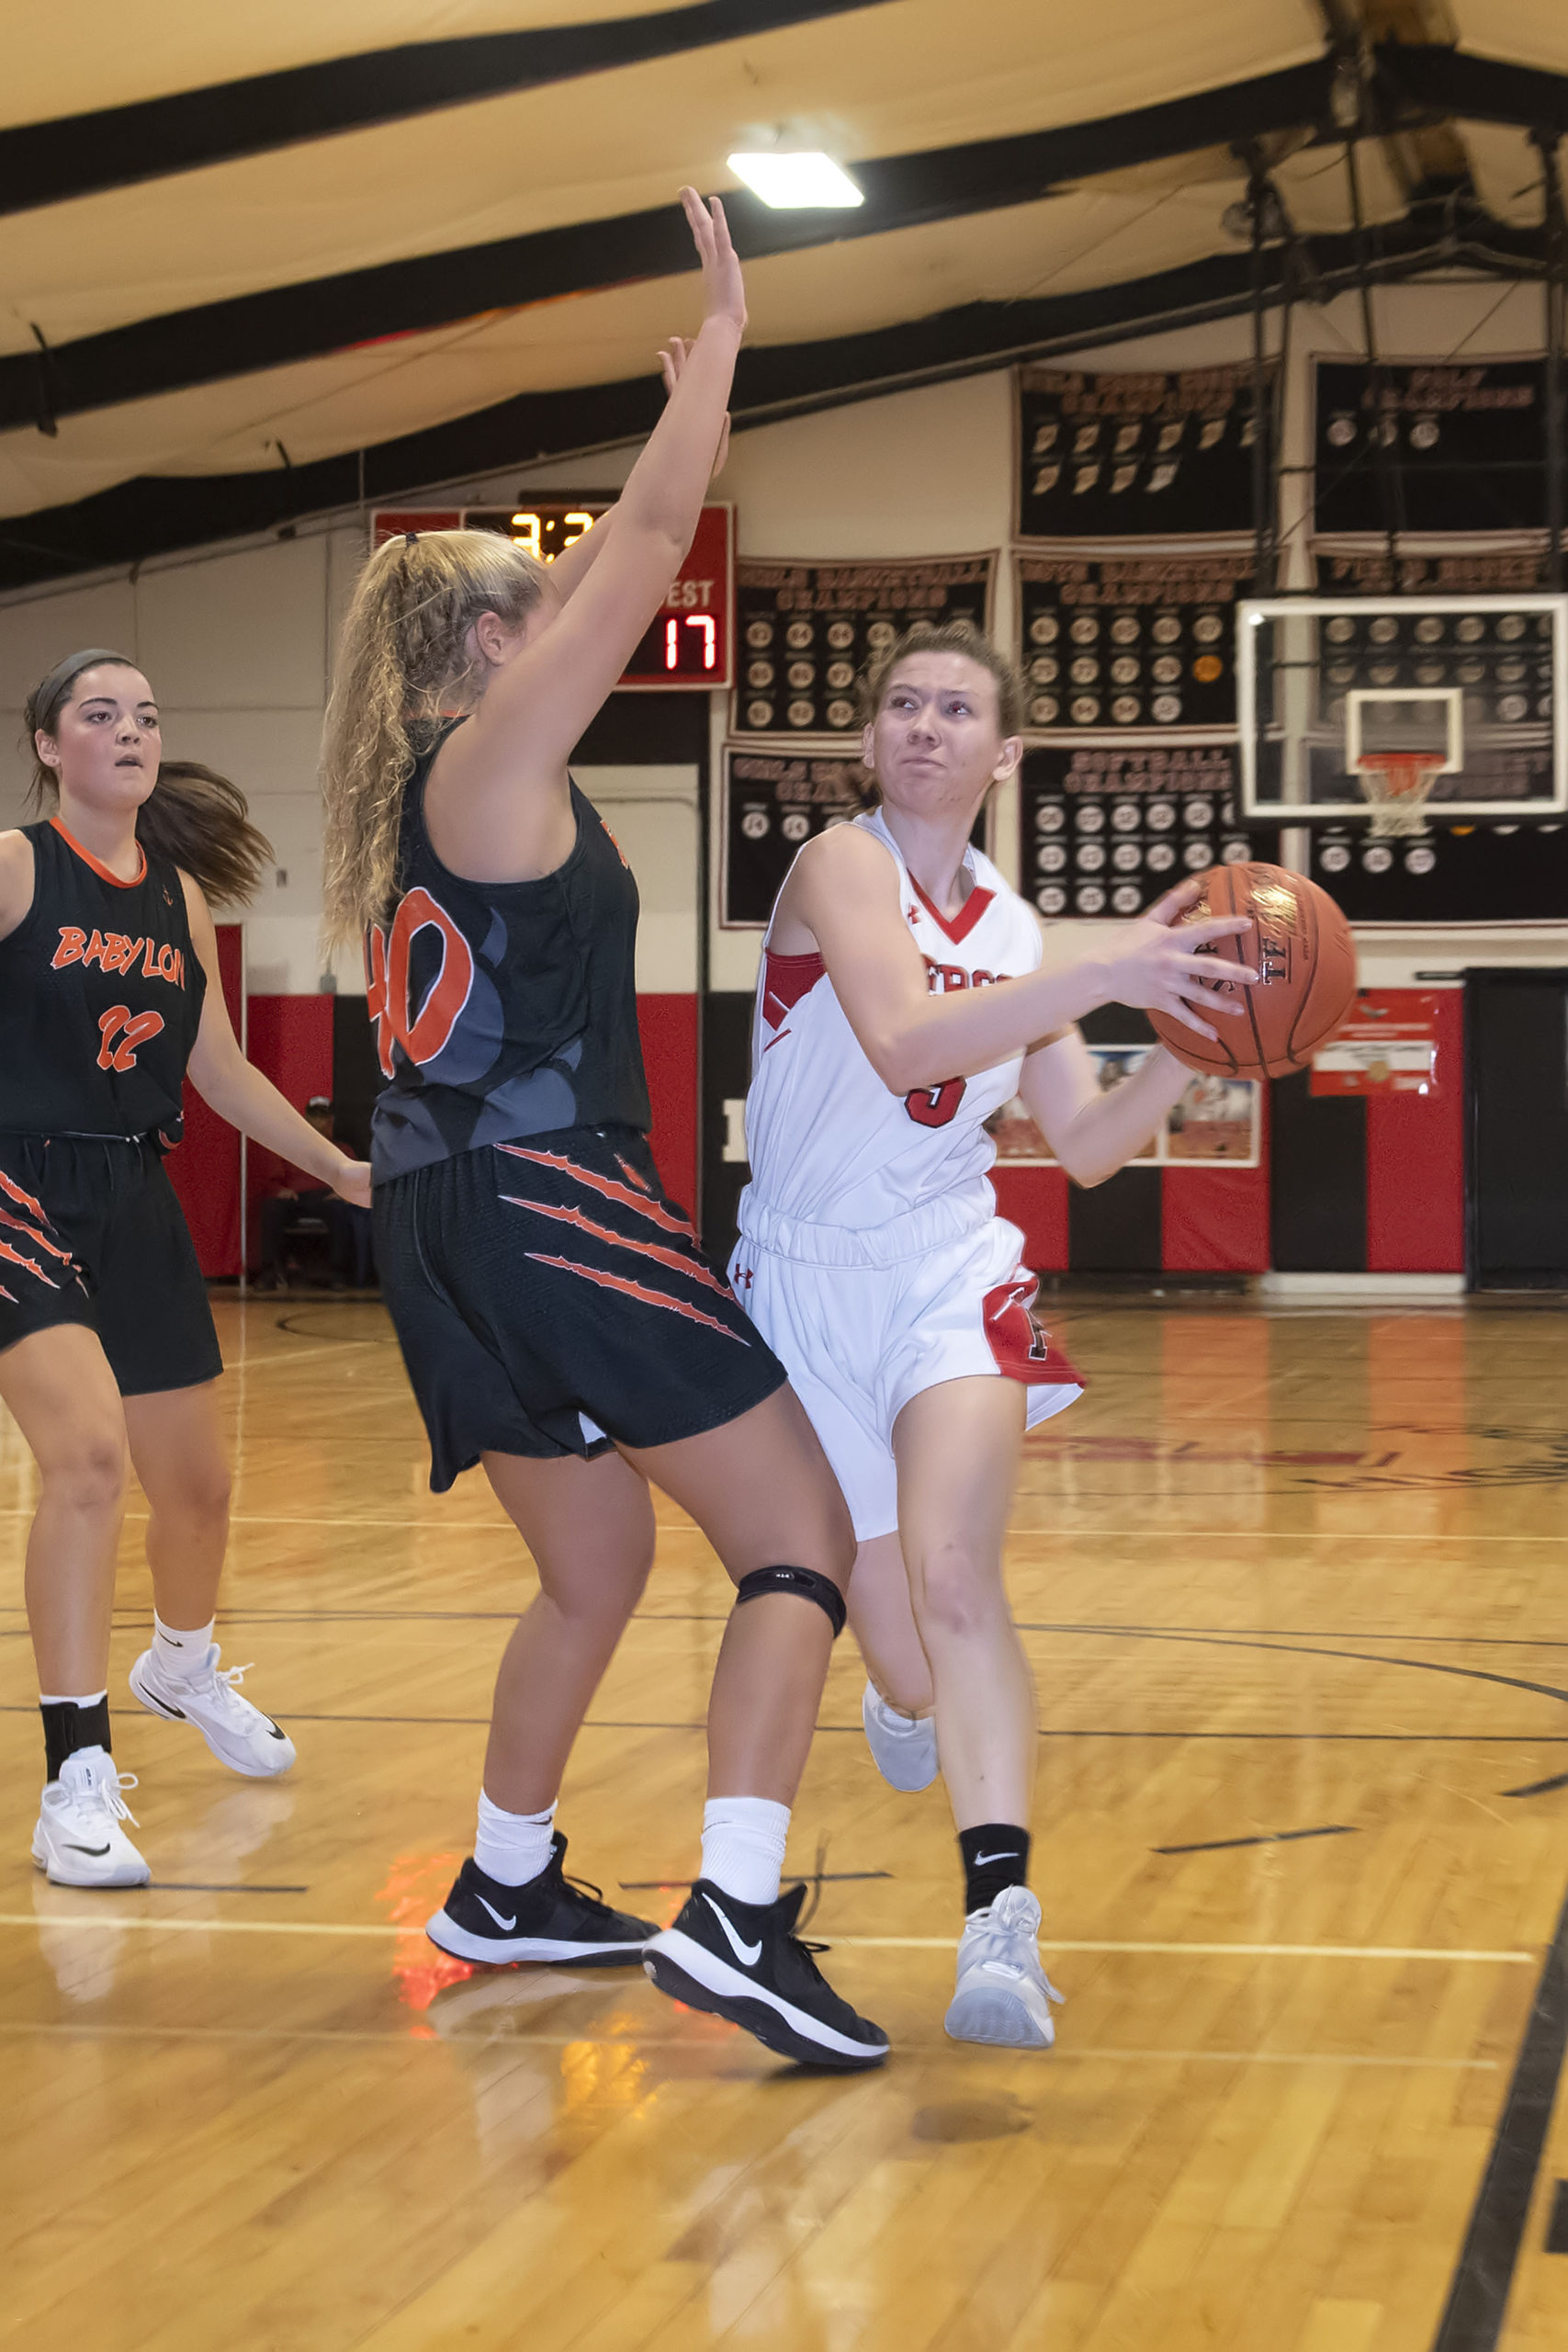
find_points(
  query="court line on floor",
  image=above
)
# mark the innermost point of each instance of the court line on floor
(90, 2029)
(1483, 2276)
(1385, 1738)
(1343, 1738)
(1054, 1535)
(98, 1920)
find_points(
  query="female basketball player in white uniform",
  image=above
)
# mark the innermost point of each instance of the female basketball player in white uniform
(900, 1005)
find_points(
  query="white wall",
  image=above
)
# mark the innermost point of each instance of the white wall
(237, 640)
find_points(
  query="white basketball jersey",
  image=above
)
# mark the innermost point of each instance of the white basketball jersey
(827, 1143)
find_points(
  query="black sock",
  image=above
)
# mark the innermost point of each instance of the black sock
(995, 1855)
(71, 1723)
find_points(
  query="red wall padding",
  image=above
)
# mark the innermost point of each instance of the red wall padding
(290, 1041)
(1035, 1200)
(204, 1168)
(1216, 1220)
(669, 1029)
(1415, 1154)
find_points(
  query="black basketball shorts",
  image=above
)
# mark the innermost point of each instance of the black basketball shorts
(549, 1300)
(91, 1232)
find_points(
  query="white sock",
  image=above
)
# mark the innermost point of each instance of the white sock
(743, 1846)
(512, 1847)
(177, 1653)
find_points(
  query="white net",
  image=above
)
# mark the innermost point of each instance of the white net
(1396, 787)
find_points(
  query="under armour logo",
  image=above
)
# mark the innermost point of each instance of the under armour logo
(913, 913)
(743, 1276)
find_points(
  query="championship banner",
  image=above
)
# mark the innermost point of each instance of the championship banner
(1132, 640)
(1105, 828)
(771, 806)
(1134, 456)
(806, 630)
(1423, 448)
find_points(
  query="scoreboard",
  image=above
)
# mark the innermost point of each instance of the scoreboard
(688, 644)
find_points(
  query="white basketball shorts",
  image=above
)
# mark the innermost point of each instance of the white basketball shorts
(859, 1338)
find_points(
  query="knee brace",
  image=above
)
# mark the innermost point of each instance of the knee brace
(808, 1582)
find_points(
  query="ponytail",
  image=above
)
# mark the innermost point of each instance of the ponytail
(192, 816)
(403, 661)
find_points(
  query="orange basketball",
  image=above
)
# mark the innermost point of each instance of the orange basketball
(1301, 948)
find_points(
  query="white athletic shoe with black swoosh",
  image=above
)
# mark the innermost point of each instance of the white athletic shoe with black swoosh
(1003, 1995)
(744, 1961)
(238, 1734)
(549, 1918)
(78, 1839)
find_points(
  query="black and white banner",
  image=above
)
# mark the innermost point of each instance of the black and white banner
(1131, 640)
(772, 804)
(1419, 446)
(1134, 456)
(805, 631)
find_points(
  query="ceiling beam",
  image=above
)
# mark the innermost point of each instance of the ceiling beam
(85, 155)
(159, 515)
(218, 341)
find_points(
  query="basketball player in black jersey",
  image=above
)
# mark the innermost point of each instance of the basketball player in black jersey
(108, 995)
(558, 1320)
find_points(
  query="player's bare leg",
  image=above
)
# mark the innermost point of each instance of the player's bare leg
(589, 1528)
(957, 1449)
(899, 1704)
(62, 1393)
(178, 1454)
(761, 1492)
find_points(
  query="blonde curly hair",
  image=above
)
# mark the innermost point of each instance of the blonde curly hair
(402, 664)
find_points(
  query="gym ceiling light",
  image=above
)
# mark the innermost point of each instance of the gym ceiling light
(794, 183)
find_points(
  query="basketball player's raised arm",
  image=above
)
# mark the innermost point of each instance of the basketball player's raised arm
(843, 895)
(537, 706)
(1094, 1134)
(571, 567)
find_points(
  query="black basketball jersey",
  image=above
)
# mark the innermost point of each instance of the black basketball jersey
(100, 998)
(503, 1009)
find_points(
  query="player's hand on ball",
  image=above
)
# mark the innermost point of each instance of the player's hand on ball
(1162, 968)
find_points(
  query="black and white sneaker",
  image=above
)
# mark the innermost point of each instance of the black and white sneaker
(551, 1918)
(744, 1961)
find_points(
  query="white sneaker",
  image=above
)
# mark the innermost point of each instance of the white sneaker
(1003, 1995)
(238, 1734)
(78, 1839)
(903, 1747)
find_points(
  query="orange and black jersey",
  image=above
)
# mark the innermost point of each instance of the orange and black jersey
(503, 1008)
(100, 998)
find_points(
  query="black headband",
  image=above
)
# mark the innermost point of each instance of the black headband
(64, 674)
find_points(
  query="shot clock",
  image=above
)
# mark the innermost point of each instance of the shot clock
(686, 647)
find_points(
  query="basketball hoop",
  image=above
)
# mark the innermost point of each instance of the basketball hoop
(1396, 787)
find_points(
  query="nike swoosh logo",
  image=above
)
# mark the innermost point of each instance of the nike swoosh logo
(747, 1954)
(981, 1860)
(98, 1851)
(178, 1712)
(495, 1915)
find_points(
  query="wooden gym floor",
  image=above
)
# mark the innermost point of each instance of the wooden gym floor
(1293, 1586)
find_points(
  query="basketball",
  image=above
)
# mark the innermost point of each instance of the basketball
(1299, 945)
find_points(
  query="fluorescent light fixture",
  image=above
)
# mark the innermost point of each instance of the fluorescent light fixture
(794, 182)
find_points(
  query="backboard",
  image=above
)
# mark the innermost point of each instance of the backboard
(1478, 684)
